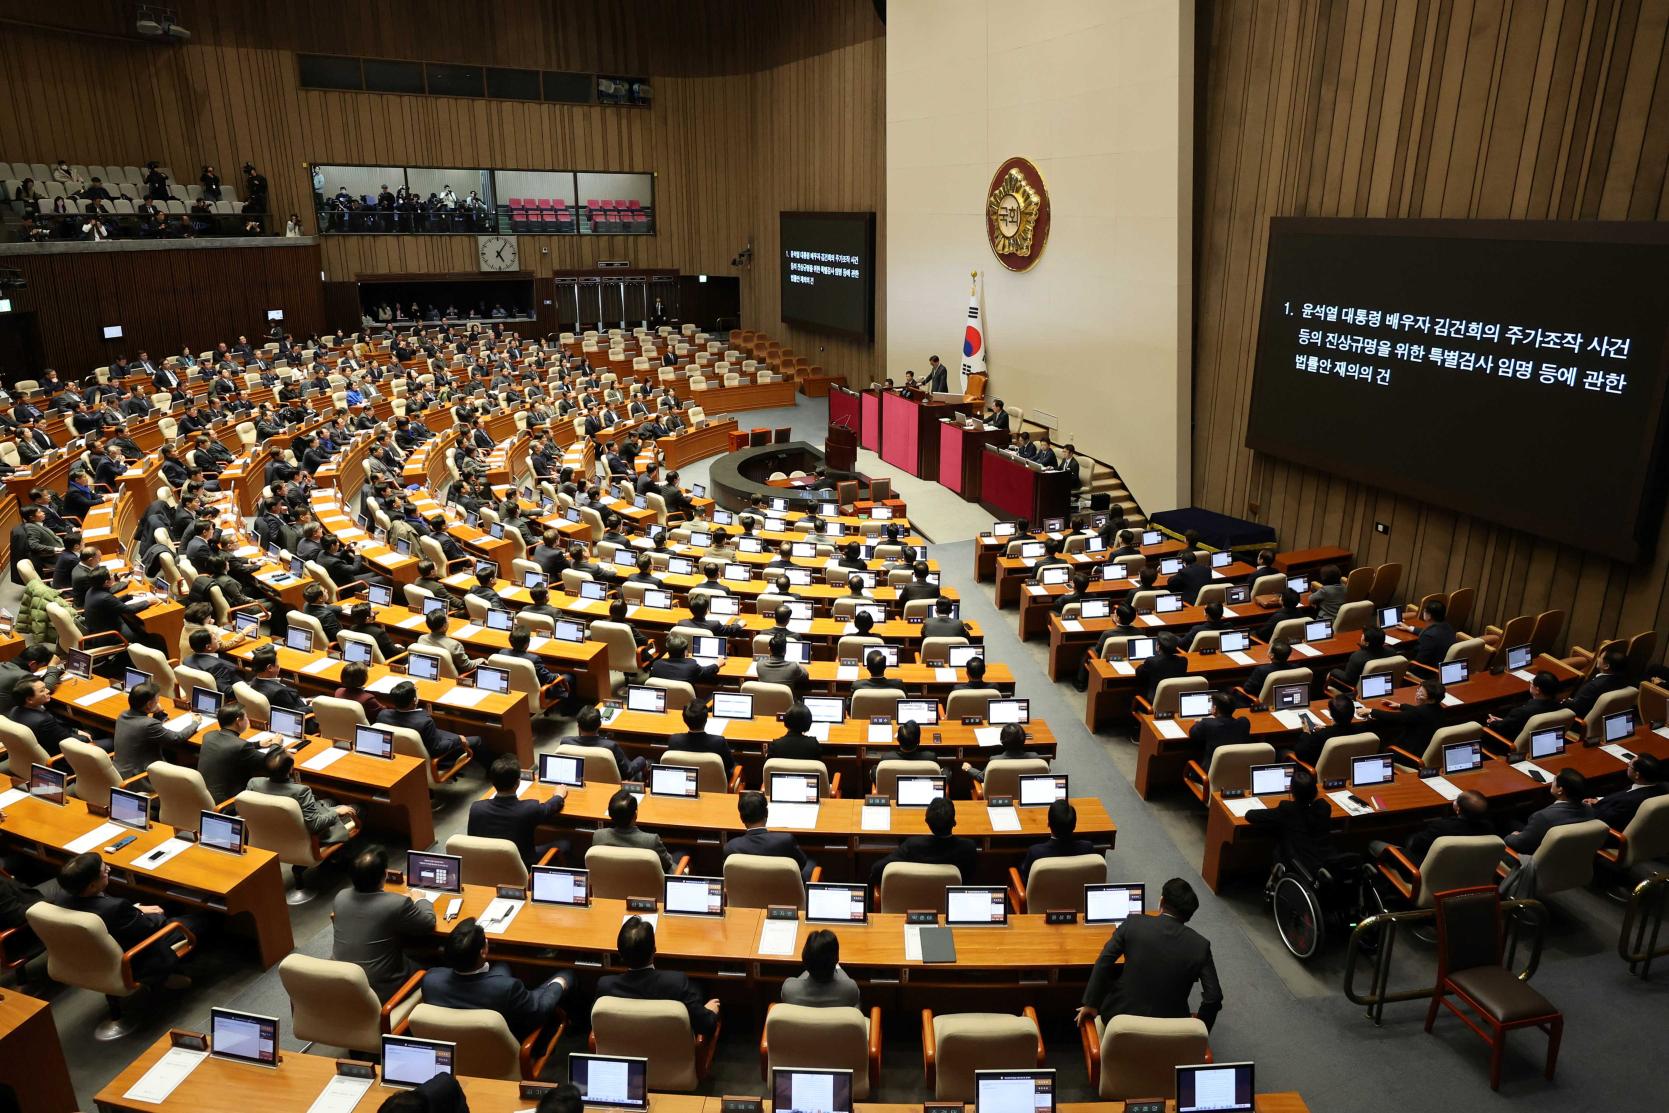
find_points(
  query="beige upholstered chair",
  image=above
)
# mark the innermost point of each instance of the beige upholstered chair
(1547, 720)
(679, 693)
(1645, 839)
(876, 701)
(1333, 764)
(154, 665)
(827, 787)
(1137, 1056)
(888, 771)
(1056, 883)
(1279, 678)
(181, 795)
(1453, 862)
(1432, 758)
(839, 1038)
(95, 773)
(260, 711)
(486, 1048)
(1593, 723)
(1167, 697)
(22, 749)
(935, 651)
(81, 952)
(332, 1003)
(970, 701)
(1002, 775)
(910, 885)
(338, 717)
(759, 881)
(656, 1030)
(956, 1045)
(1565, 859)
(1231, 768)
(188, 678)
(275, 824)
(768, 698)
(600, 766)
(618, 872)
(488, 861)
(709, 768)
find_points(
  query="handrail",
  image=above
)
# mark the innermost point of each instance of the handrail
(1643, 919)
(1517, 915)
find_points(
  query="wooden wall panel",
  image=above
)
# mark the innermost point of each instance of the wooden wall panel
(758, 106)
(164, 299)
(1486, 109)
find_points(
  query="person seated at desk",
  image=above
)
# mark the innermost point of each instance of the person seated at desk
(105, 613)
(940, 624)
(1163, 958)
(645, 573)
(328, 615)
(469, 981)
(1194, 574)
(204, 659)
(1435, 638)
(796, 743)
(541, 604)
(998, 417)
(1124, 626)
(851, 558)
(1342, 710)
(1617, 809)
(483, 588)
(343, 567)
(359, 619)
(756, 838)
(1570, 793)
(503, 815)
(84, 880)
(354, 676)
(776, 668)
(1410, 726)
(676, 664)
(442, 745)
(141, 737)
(330, 821)
(1220, 728)
(1166, 663)
(635, 945)
(264, 664)
(1290, 607)
(975, 668)
(1280, 652)
(1012, 739)
(823, 984)
(919, 587)
(520, 638)
(1214, 621)
(1062, 841)
(695, 738)
(32, 539)
(227, 760)
(1468, 815)
(1371, 648)
(1544, 697)
(1023, 446)
(1613, 675)
(624, 831)
(373, 927)
(437, 640)
(33, 661)
(1301, 824)
(941, 847)
(876, 663)
(31, 699)
(698, 617)
(1330, 596)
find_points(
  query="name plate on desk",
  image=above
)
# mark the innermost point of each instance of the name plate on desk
(533, 1091)
(640, 904)
(348, 1068)
(921, 916)
(782, 912)
(877, 801)
(999, 802)
(1061, 916)
(948, 1107)
(512, 892)
(729, 1104)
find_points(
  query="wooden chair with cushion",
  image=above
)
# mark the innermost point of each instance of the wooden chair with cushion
(710, 775)
(912, 885)
(487, 861)
(332, 1003)
(956, 1045)
(1137, 1056)
(81, 952)
(275, 824)
(618, 872)
(1453, 862)
(836, 1038)
(760, 880)
(485, 1046)
(1231, 768)
(657, 1030)
(1056, 883)
(890, 769)
(828, 788)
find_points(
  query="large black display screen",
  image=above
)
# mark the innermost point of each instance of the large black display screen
(1512, 371)
(828, 281)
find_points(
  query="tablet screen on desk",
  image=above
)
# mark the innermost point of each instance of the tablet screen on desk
(374, 741)
(916, 791)
(559, 885)
(656, 598)
(491, 678)
(826, 709)
(806, 1090)
(642, 697)
(220, 832)
(1453, 672)
(1234, 641)
(794, 788)
(732, 705)
(610, 1081)
(245, 623)
(435, 872)
(694, 896)
(1113, 904)
(408, 1061)
(205, 701)
(1014, 1091)
(423, 666)
(976, 905)
(828, 903)
(1547, 743)
(500, 620)
(1374, 769)
(1214, 1088)
(286, 723)
(923, 711)
(1271, 780)
(1619, 726)
(567, 630)
(1374, 685)
(674, 780)
(1462, 757)
(1004, 711)
(1518, 657)
(1095, 608)
(245, 1037)
(958, 656)
(130, 809)
(562, 769)
(1039, 790)
(531, 580)
(1194, 705)
(1318, 631)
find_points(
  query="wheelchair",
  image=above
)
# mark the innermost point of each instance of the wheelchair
(1311, 902)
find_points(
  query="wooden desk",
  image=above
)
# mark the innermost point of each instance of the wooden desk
(586, 662)
(962, 455)
(248, 888)
(1037, 601)
(689, 445)
(31, 1056)
(1020, 489)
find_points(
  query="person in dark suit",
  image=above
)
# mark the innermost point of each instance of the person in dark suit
(642, 982)
(676, 663)
(1214, 621)
(228, 761)
(79, 498)
(756, 838)
(1220, 728)
(1301, 823)
(938, 378)
(1410, 726)
(695, 738)
(1613, 675)
(31, 699)
(1063, 841)
(940, 624)
(1645, 776)
(1372, 648)
(264, 664)
(876, 663)
(624, 831)
(84, 879)
(998, 417)
(443, 745)
(589, 722)
(1544, 697)
(1468, 815)
(1570, 790)
(1163, 958)
(1070, 465)
(1194, 574)
(1435, 637)
(1280, 652)
(941, 847)
(142, 737)
(1308, 747)
(919, 587)
(1124, 626)
(373, 927)
(1164, 664)
(1290, 608)
(795, 742)
(504, 816)
(469, 981)
(1012, 740)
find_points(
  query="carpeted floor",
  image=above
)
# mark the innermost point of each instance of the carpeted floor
(1291, 1019)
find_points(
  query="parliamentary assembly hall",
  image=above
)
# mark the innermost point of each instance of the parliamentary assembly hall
(834, 556)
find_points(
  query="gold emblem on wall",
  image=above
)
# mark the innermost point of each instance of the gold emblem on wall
(1017, 215)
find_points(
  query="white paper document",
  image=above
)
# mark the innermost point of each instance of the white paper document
(880, 732)
(1150, 619)
(1289, 719)
(324, 759)
(988, 737)
(1304, 649)
(846, 674)
(463, 697)
(1451, 700)
(180, 722)
(1242, 805)
(497, 917)
(1037, 589)
(467, 630)
(165, 1075)
(340, 1095)
(160, 854)
(944, 675)
(653, 919)
(1003, 819)
(1618, 752)
(1123, 668)
(1072, 626)
(1533, 771)
(411, 623)
(1443, 787)
(874, 818)
(778, 937)
(798, 817)
(1524, 674)
(12, 796)
(912, 942)
(800, 625)
(1343, 800)
(1169, 728)
(102, 835)
(1240, 658)
(96, 696)
(317, 665)
(385, 684)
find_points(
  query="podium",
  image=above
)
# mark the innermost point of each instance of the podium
(961, 455)
(1020, 489)
(910, 431)
(840, 449)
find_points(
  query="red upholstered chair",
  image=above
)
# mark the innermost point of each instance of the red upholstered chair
(758, 437)
(515, 202)
(1469, 970)
(546, 203)
(633, 205)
